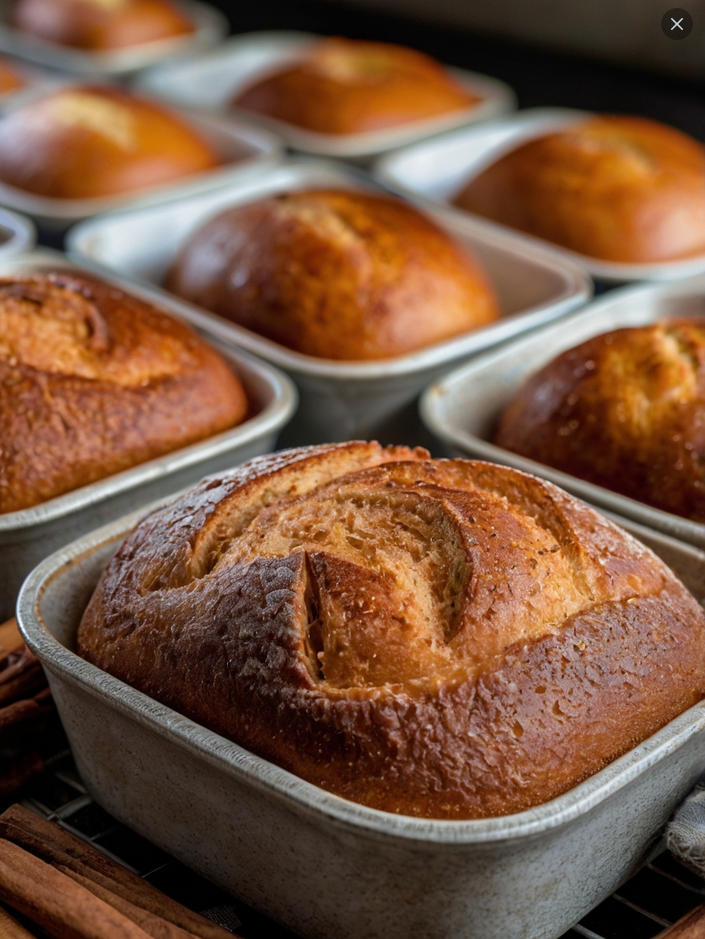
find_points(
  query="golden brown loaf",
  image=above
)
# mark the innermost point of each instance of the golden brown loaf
(94, 381)
(625, 410)
(335, 273)
(345, 86)
(92, 141)
(100, 25)
(617, 188)
(448, 639)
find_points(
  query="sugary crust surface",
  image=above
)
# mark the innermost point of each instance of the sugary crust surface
(94, 381)
(623, 189)
(345, 86)
(338, 274)
(100, 25)
(625, 410)
(90, 141)
(447, 639)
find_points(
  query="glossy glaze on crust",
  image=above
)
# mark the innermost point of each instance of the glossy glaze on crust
(625, 410)
(436, 638)
(100, 25)
(94, 381)
(345, 86)
(87, 142)
(337, 274)
(623, 189)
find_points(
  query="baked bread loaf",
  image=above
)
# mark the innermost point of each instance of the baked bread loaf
(100, 25)
(10, 78)
(624, 410)
(347, 86)
(622, 189)
(87, 142)
(448, 639)
(335, 273)
(94, 381)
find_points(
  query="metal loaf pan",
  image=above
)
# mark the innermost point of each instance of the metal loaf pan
(31, 534)
(210, 27)
(209, 81)
(324, 866)
(435, 171)
(339, 400)
(463, 407)
(246, 151)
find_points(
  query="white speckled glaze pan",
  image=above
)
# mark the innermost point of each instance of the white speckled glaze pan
(321, 865)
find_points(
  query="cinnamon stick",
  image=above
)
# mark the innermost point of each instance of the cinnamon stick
(18, 771)
(10, 928)
(22, 718)
(691, 926)
(54, 845)
(55, 902)
(10, 639)
(22, 676)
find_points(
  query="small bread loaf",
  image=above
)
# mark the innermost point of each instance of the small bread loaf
(625, 410)
(621, 189)
(94, 381)
(10, 78)
(345, 86)
(338, 274)
(448, 639)
(100, 25)
(88, 142)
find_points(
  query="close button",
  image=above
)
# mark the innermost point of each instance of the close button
(677, 23)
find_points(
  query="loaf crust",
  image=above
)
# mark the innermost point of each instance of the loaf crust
(448, 639)
(623, 189)
(94, 381)
(625, 410)
(346, 86)
(100, 25)
(338, 274)
(92, 141)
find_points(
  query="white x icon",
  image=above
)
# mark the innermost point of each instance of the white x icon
(678, 24)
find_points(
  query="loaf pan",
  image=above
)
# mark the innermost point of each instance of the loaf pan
(210, 25)
(437, 170)
(463, 407)
(31, 534)
(209, 81)
(245, 150)
(327, 867)
(339, 400)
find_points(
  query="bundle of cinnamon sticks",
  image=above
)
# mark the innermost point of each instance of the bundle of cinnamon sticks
(25, 705)
(72, 891)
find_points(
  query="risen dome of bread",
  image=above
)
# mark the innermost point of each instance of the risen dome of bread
(439, 638)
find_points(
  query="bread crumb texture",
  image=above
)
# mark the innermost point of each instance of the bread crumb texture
(447, 639)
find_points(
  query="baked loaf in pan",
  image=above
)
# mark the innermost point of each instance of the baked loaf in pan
(100, 25)
(338, 274)
(347, 86)
(448, 639)
(87, 142)
(624, 410)
(622, 189)
(94, 381)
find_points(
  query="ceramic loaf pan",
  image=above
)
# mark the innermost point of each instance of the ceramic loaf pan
(245, 150)
(210, 80)
(339, 400)
(463, 407)
(31, 534)
(435, 171)
(210, 25)
(327, 867)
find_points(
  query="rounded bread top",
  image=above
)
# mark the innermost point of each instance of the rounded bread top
(441, 638)
(625, 410)
(622, 189)
(89, 141)
(347, 86)
(101, 25)
(339, 274)
(94, 381)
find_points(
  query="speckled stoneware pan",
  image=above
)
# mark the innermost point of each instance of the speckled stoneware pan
(31, 534)
(463, 407)
(326, 867)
